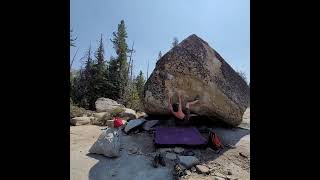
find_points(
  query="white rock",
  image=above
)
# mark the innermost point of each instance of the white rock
(128, 114)
(80, 121)
(202, 169)
(188, 161)
(106, 105)
(108, 143)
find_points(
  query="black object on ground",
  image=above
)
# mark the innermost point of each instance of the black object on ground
(161, 160)
(155, 162)
(188, 153)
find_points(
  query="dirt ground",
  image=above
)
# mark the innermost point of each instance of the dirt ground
(137, 152)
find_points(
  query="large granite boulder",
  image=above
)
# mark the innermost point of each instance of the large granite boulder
(194, 68)
(106, 105)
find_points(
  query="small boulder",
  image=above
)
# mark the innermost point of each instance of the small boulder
(76, 121)
(106, 105)
(133, 124)
(188, 161)
(188, 172)
(141, 115)
(193, 169)
(100, 119)
(128, 114)
(108, 143)
(202, 169)
(101, 115)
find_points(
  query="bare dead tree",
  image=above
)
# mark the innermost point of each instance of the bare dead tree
(131, 61)
(73, 58)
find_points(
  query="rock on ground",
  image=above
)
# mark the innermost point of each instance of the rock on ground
(101, 115)
(133, 123)
(108, 143)
(194, 68)
(188, 161)
(142, 115)
(101, 118)
(84, 166)
(76, 121)
(106, 105)
(128, 114)
(202, 169)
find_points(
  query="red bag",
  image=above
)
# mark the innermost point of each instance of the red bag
(215, 141)
(117, 122)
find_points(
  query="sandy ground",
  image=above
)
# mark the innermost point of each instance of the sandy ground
(138, 166)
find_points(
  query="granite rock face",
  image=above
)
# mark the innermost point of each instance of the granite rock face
(195, 69)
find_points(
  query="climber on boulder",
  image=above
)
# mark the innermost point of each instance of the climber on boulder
(176, 108)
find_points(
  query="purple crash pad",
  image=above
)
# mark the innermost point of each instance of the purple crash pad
(179, 136)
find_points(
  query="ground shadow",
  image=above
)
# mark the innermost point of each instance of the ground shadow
(140, 166)
(101, 169)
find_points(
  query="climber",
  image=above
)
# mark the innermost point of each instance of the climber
(176, 109)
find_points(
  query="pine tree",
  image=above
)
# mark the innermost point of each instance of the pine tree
(99, 74)
(99, 55)
(121, 48)
(159, 55)
(81, 86)
(175, 42)
(133, 99)
(140, 84)
(114, 79)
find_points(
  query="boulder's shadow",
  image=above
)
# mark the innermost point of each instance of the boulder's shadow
(101, 170)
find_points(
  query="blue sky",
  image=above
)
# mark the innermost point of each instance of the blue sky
(152, 24)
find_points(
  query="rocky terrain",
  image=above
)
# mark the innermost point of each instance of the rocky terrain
(137, 152)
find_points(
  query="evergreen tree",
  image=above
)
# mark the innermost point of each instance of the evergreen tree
(175, 42)
(114, 79)
(121, 48)
(140, 84)
(132, 99)
(99, 74)
(99, 55)
(80, 90)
